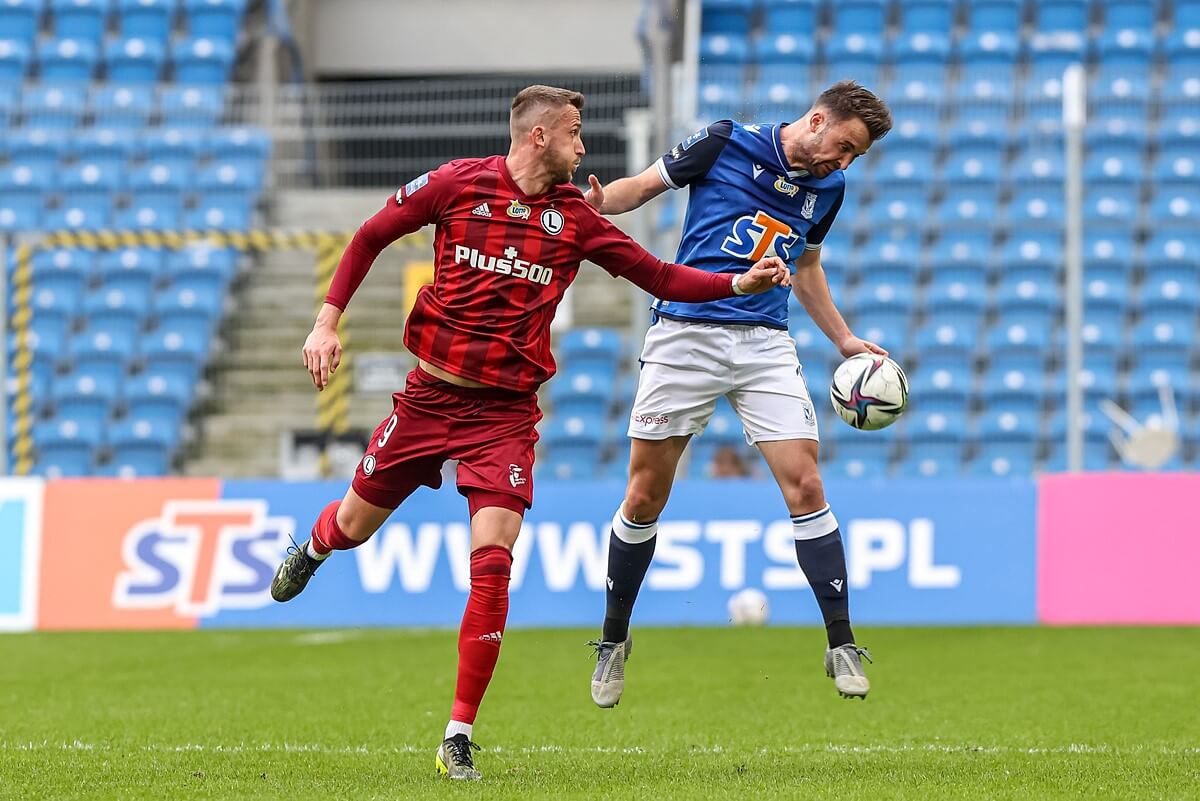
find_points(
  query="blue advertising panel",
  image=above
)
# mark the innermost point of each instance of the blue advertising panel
(918, 552)
(20, 537)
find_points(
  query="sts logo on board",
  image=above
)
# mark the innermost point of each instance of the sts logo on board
(202, 557)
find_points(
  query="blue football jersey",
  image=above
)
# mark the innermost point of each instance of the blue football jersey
(746, 202)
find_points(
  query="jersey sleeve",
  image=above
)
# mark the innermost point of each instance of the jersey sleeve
(418, 203)
(607, 245)
(816, 234)
(691, 159)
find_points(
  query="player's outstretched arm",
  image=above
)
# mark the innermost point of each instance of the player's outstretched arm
(322, 348)
(625, 194)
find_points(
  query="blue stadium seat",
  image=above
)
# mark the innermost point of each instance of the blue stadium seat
(1105, 298)
(19, 19)
(1035, 251)
(198, 261)
(64, 460)
(21, 189)
(886, 256)
(1169, 296)
(1181, 89)
(722, 101)
(903, 164)
(1121, 131)
(150, 384)
(180, 335)
(960, 251)
(1102, 333)
(965, 207)
(945, 338)
(1134, 14)
(1172, 253)
(176, 299)
(202, 61)
(901, 207)
(1006, 426)
(928, 426)
(972, 165)
(38, 150)
(583, 392)
(82, 19)
(48, 330)
(730, 17)
(1175, 206)
(1125, 47)
(152, 213)
(1008, 387)
(136, 460)
(921, 49)
(73, 261)
(858, 16)
(62, 293)
(722, 49)
(1114, 165)
(121, 107)
(67, 59)
(135, 60)
(927, 16)
(163, 415)
(562, 432)
(1145, 379)
(791, 16)
(1002, 460)
(107, 334)
(1028, 296)
(1000, 16)
(583, 346)
(913, 134)
(218, 19)
(933, 461)
(915, 85)
(89, 177)
(14, 66)
(160, 431)
(81, 419)
(173, 147)
(53, 106)
(220, 211)
(86, 384)
(90, 210)
(129, 297)
(1182, 47)
(1017, 338)
(191, 106)
(854, 458)
(1185, 14)
(249, 147)
(147, 19)
(1036, 207)
(986, 51)
(1120, 90)
(110, 150)
(1176, 165)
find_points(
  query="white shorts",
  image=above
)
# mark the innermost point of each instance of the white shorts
(687, 366)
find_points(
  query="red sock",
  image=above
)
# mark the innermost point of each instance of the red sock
(327, 536)
(482, 629)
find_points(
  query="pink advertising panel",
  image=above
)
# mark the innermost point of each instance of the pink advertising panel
(1119, 548)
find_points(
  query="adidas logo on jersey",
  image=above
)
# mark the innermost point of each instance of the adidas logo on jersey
(482, 210)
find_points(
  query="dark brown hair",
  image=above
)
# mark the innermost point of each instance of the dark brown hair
(539, 98)
(846, 99)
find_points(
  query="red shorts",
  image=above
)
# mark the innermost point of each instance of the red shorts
(489, 431)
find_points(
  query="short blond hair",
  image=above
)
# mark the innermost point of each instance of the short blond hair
(533, 101)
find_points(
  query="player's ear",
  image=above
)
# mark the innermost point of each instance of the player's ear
(815, 121)
(537, 135)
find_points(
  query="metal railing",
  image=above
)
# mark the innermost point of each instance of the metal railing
(383, 133)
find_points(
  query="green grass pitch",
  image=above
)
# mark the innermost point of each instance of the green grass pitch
(981, 713)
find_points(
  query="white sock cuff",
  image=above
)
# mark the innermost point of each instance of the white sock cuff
(458, 727)
(633, 533)
(812, 525)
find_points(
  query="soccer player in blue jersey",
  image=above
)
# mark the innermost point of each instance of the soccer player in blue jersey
(756, 189)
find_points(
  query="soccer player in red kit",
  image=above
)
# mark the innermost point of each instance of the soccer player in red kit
(510, 235)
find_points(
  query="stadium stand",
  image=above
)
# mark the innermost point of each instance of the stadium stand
(112, 115)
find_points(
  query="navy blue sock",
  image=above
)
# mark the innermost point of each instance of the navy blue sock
(823, 561)
(630, 551)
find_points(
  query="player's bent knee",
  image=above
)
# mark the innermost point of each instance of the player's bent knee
(642, 503)
(359, 519)
(805, 494)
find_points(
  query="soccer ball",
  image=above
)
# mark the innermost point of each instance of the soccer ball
(869, 391)
(748, 607)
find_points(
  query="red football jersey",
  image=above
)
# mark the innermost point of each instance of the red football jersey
(502, 263)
